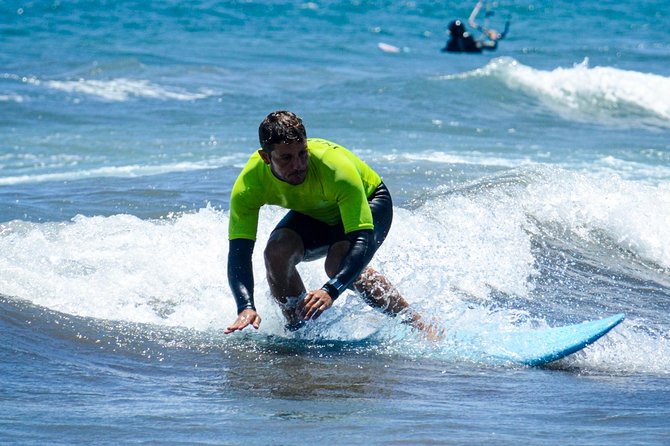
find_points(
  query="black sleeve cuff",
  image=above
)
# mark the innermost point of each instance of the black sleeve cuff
(334, 288)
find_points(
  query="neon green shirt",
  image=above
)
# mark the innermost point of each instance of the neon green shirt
(336, 188)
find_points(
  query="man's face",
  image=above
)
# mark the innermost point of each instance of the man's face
(288, 161)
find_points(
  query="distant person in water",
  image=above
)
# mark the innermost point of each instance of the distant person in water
(461, 41)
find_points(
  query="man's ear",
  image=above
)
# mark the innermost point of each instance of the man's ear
(264, 155)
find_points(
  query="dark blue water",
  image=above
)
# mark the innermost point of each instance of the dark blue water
(532, 189)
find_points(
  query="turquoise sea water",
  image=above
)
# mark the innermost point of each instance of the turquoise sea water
(531, 185)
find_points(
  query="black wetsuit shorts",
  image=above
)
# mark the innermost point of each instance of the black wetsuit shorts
(318, 237)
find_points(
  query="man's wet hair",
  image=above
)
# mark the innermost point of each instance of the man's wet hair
(281, 127)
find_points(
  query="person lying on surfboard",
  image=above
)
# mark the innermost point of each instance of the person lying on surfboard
(339, 209)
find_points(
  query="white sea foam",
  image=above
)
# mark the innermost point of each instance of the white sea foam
(11, 98)
(581, 92)
(636, 216)
(127, 171)
(630, 348)
(445, 257)
(654, 172)
(472, 158)
(170, 272)
(457, 243)
(457, 240)
(122, 89)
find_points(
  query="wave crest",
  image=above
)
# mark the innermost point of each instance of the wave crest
(122, 89)
(606, 94)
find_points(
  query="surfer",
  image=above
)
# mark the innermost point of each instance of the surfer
(339, 209)
(461, 41)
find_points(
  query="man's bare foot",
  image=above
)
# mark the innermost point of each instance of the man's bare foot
(430, 330)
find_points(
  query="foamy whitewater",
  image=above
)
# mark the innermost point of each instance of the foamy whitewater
(531, 188)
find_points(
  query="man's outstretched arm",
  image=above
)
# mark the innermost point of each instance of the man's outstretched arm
(241, 281)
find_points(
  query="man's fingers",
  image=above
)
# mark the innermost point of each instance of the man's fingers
(310, 313)
(236, 326)
(318, 312)
(242, 321)
(315, 306)
(310, 306)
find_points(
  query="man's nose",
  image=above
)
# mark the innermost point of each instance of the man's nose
(297, 163)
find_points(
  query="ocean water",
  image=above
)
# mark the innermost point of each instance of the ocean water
(531, 188)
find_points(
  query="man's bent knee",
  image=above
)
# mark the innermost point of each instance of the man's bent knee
(283, 250)
(334, 258)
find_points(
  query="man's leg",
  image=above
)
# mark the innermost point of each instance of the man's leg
(379, 293)
(283, 252)
(377, 290)
(373, 287)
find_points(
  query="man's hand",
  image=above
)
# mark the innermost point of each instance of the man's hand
(245, 318)
(315, 303)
